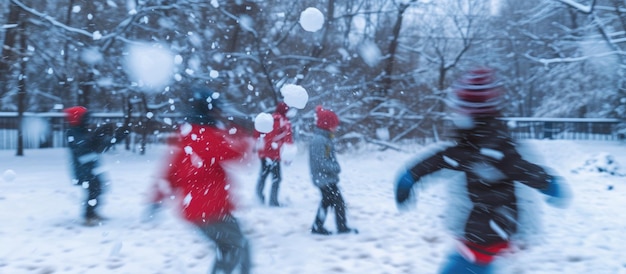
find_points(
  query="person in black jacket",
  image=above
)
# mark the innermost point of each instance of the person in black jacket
(485, 152)
(86, 146)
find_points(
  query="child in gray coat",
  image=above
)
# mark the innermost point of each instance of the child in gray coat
(325, 172)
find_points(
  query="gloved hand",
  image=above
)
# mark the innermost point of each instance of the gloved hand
(558, 191)
(404, 190)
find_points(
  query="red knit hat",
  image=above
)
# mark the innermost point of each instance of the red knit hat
(74, 115)
(326, 118)
(282, 108)
(477, 93)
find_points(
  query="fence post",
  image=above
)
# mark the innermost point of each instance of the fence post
(547, 130)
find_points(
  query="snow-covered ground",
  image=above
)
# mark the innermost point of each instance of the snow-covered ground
(40, 229)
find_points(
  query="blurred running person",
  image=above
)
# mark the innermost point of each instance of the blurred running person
(198, 181)
(486, 153)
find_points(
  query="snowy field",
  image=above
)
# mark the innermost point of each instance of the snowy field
(40, 229)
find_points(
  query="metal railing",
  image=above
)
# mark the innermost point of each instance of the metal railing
(47, 130)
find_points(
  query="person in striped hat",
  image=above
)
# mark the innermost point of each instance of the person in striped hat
(486, 153)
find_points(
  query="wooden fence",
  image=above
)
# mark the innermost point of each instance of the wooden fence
(47, 130)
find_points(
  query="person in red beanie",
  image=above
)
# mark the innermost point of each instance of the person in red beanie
(269, 151)
(325, 172)
(196, 178)
(86, 146)
(486, 153)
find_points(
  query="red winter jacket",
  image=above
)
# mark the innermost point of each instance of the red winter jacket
(196, 174)
(271, 142)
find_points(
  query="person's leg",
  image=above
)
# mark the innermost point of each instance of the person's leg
(457, 264)
(473, 258)
(260, 186)
(93, 190)
(233, 251)
(322, 211)
(339, 204)
(276, 178)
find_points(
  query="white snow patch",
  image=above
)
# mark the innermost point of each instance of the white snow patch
(492, 153)
(602, 162)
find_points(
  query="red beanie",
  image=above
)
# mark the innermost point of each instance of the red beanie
(75, 115)
(478, 93)
(326, 119)
(282, 108)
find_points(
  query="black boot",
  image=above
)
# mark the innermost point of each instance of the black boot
(320, 230)
(348, 230)
(318, 225)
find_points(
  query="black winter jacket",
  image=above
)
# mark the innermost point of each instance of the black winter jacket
(86, 147)
(491, 163)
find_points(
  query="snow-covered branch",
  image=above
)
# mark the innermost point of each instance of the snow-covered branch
(50, 19)
(97, 35)
(579, 6)
(548, 61)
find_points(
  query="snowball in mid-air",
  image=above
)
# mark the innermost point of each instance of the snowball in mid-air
(294, 95)
(91, 56)
(150, 66)
(311, 19)
(264, 122)
(9, 175)
(370, 53)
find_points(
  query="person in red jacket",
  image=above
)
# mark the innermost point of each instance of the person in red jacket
(197, 179)
(269, 150)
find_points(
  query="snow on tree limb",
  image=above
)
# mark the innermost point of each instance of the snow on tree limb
(50, 19)
(579, 6)
(549, 61)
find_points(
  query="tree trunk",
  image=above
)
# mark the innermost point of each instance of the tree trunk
(319, 48)
(393, 46)
(8, 54)
(21, 93)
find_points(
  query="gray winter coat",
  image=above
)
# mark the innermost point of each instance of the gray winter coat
(324, 166)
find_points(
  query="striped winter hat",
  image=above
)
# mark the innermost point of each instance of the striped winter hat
(75, 116)
(477, 93)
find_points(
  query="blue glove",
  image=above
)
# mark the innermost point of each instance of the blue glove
(404, 190)
(559, 194)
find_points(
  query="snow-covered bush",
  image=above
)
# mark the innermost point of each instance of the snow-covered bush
(601, 163)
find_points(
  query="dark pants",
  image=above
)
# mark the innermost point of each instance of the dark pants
(331, 197)
(269, 166)
(94, 190)
(232, 246)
